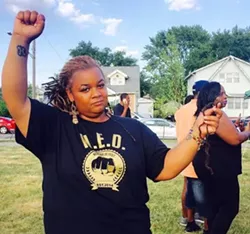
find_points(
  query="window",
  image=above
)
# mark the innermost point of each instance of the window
(236, 77)
(117, 80)
(113, 81)
(245, 104)
(120, 81)
(161, 123)
(117, 77)
(230, 103)
(237, 102)
(150, 123)
(222, 78)
(229, 78)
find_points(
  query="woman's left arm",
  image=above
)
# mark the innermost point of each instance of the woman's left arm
(180, 156)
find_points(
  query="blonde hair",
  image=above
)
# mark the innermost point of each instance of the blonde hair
(55, 90)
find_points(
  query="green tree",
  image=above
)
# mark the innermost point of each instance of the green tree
(166, 70)
(29, 91)
(145, 84)
(162, 109)
(104, 56)
(234, 42)
(3, 109)
(188, 40)
(199, 57)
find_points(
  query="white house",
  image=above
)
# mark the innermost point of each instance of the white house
(125, 79)
(146, 106)
(234, 74)
(120, 80)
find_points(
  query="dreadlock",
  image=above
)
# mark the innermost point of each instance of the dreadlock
(55, 90)
(207, 99)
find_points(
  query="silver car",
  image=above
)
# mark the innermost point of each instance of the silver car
(138, 116)
(163, 128)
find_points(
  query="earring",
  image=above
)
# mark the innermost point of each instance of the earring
(74, 113)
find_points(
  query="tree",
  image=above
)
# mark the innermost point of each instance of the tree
(166, 70)
(234, 42)
(145, 84)
(29, 91)
(188, 39)
(3, 109)
(200, 57)
(162, 109)
(104, 56)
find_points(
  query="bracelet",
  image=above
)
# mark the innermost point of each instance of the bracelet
(197, 139)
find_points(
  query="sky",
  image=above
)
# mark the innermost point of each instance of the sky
(117, 24)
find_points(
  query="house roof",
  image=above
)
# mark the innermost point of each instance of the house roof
(117, 71)
(145, 100)
(110, 91)
(132, 82)
(223, 63)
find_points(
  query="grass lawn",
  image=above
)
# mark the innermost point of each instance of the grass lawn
(20, 197)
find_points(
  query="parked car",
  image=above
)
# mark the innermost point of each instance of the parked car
(7, 125)
(138, 116)
(163, 128)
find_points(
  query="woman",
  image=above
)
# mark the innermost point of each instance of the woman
(94, 165)
(218, 163)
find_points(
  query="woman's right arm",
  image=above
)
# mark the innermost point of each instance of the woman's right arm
(14, 83)
(28, 26)
(228, 132)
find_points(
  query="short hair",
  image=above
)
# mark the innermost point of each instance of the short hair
(188, 99)
(123, 95)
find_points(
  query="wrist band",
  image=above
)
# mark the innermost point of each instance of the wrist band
(197, 139)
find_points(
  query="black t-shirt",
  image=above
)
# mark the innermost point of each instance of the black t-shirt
(224, 160)
(118, 110)
(94, 174)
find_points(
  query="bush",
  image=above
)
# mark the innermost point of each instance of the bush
(163, 110)
(3, 109)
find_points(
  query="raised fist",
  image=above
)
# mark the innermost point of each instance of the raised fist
(29, 25)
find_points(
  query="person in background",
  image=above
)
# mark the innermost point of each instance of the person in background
(188, 99)
(122, 109)
(218, 163)
(192, 194)
(239, 124)
(109, 109)
(183, 220)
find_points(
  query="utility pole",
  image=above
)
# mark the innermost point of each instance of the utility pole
(33, 56)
